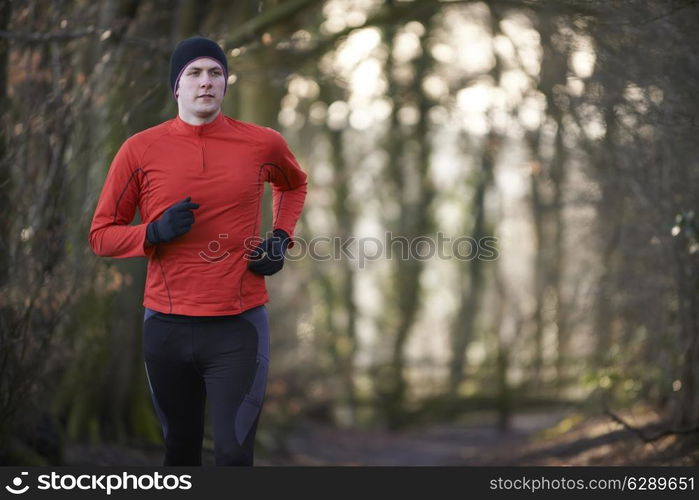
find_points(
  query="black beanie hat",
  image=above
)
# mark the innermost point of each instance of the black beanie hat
(190, 49)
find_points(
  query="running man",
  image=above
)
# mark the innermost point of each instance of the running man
(198, 182)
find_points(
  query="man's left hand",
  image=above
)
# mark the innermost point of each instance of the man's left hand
(268, 257)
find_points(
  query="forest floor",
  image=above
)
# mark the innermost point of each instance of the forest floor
(555, 437)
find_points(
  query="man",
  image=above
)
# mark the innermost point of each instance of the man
(198, 182)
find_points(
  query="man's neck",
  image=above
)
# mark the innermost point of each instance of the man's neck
(198, 120)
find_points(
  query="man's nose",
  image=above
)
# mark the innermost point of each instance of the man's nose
(206, 81)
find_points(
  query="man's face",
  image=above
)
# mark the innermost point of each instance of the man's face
(200, 89)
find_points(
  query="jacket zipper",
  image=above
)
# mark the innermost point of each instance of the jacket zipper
(201, 145)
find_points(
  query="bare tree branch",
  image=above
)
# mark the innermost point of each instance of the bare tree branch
(67, 36)
(257, 24)
(642, 435)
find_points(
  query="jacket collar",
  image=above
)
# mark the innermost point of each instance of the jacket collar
(182, 127)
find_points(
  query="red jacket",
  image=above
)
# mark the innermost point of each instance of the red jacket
(222, 165)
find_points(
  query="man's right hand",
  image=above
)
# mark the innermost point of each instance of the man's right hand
(174, 222)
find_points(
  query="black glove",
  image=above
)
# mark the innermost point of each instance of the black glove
(174, 222)
(268, 257)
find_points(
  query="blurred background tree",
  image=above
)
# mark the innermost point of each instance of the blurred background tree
(565, 130)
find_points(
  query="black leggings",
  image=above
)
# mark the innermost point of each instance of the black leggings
(223, 359)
